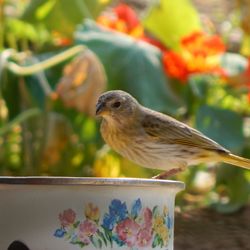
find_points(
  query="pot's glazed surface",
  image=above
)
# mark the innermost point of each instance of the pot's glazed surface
(61, 213)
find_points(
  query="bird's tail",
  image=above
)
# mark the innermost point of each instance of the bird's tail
(236, 160)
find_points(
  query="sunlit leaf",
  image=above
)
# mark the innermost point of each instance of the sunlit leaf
(221, 125)
(62, 15)
(170, 20)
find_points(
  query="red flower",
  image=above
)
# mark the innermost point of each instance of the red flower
(174, 65)
(124, 20)
(128, 15)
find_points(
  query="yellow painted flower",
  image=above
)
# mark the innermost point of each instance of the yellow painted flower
(92, 212)
(158, 221)
(163, 233)
(165, 210)
(161, 229)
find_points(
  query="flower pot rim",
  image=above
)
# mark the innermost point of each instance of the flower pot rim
(90, 181)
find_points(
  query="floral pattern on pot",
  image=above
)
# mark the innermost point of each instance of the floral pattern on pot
(138, 227)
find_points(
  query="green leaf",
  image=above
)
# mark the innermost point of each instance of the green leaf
(9, 88)
(233, 63)
(130, 65)
(25, 115)
(221, 125)
(52, 13)
(170, 20)
(199, 85)
(235, 184)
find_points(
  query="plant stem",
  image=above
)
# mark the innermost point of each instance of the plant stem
(29, 70)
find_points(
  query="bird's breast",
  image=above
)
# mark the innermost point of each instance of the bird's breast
(114, 137)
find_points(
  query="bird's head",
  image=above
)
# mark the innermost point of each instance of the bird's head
(115, 104)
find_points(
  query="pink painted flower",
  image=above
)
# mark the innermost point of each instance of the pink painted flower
(147, 216)
(67, 218)
(127, 231)
(144, 237)
(87, 228)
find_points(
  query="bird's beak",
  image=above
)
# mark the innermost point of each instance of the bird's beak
(99, 108)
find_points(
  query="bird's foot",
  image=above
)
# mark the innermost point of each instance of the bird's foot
(165, 175)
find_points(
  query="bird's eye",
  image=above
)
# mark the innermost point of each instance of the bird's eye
(116, 105)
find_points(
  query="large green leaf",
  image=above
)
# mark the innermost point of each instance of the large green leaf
(131, 65)
(234, 183)
(170, 20)
(61, 15)
(221, 125)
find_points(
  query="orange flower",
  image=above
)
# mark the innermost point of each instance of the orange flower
(175, 66)
(128, 15)
(199, 54)
(201, 43)
(124, 20)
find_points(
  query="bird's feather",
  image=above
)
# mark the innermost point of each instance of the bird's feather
(175, 132)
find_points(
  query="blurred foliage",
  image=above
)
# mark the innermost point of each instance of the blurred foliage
(55, 60)
(163, 21)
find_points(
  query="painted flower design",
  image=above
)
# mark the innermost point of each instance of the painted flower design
(67, 217)
(127, 231)
(92, 212)
(87, 229)
(136, 226)
(117, 212)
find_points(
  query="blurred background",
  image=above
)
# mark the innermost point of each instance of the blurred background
(189, 59)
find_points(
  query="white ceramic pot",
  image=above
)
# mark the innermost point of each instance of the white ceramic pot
(48, 213)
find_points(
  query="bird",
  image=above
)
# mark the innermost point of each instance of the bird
(155, 140)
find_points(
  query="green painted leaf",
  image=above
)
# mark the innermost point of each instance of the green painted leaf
(131, 65)
(155, 241)
(166, 21)
(221, 125)
(108, 236)
(96, 242)
(76, 224)
(155, 211)
(102, 236)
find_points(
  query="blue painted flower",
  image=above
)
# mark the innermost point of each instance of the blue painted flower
(108, 221)
(118, 210)
(136, 208)
(59, 233)
(168, 222)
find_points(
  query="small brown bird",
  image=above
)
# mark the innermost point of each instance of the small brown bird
(155, 140)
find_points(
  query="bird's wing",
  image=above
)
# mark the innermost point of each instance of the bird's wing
(166, 129)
